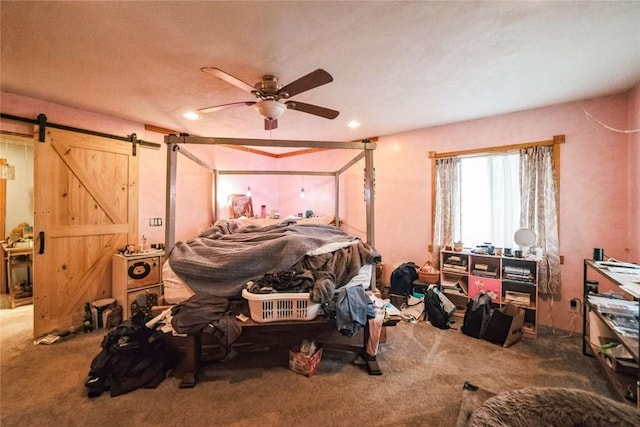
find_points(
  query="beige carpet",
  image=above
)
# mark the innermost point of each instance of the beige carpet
(424, 370)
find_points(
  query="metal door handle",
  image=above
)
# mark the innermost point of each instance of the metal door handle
(41, 236)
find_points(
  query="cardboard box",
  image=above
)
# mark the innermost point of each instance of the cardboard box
(303, 363)
(505, 325)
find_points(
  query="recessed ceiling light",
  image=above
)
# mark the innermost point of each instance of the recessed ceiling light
(353, 124)
(191, 115)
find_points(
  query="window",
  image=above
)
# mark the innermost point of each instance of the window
(486, 194)
(490, 199)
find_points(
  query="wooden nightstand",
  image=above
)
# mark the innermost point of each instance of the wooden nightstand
(137, 280)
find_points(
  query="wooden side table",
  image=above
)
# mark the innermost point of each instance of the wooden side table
(19, 257)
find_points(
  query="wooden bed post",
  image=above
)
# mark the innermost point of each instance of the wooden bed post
(369, 191)
(216, 178)
(336, 205)
(170, 203)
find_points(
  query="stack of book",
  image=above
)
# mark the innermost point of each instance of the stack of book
(454, 264)
(455, 286)
(512, 272)
(484, 270)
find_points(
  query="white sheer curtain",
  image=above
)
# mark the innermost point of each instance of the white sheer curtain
(490, 199)
(447, 220)
(539, 212)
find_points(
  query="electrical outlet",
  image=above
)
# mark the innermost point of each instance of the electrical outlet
(573, 305)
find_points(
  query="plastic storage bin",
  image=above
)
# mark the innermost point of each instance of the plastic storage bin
(266, 308)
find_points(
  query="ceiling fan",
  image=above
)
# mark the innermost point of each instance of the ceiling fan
(270, 95)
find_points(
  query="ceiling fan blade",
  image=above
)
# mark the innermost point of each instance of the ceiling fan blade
(270, 124)
(312, 80)
(226, 106)
(312, 109)
(216, 72)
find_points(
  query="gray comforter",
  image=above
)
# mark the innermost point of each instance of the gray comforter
(223, 258)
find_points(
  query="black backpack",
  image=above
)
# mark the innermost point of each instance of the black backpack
(477, 316)
(434, 310)
(132, 356)
(402, 278)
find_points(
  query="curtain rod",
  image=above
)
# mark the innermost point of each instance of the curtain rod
(130, 138)
(557, 139)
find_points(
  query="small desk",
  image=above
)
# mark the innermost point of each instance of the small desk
(18, 257)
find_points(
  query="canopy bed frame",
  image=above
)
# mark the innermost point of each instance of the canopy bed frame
(175, 144)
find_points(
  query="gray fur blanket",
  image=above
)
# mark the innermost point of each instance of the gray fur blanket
(543, 406)
(224, 257)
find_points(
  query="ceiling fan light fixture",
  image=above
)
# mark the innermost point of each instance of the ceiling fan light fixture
(271, 110)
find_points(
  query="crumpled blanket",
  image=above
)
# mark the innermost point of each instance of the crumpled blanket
(226, 256)
(194, 314)
(343, 263)
(209, 314)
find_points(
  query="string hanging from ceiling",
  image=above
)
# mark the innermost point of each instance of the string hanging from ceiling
(590, 116)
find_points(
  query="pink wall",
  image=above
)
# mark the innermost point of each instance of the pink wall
(594, 204)
(599, 204)
(276, 192)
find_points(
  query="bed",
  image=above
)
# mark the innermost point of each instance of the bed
(224, 260)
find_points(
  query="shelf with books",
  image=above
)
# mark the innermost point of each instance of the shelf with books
(611, 331)
(456, 263)
(507, 279)
(455, 287)
(520, 293)
(483, 265)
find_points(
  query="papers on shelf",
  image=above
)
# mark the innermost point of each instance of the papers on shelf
(615, 264)
(614, 305)
(632, 289)
(625, 270)
(621, 315)
(626, 274)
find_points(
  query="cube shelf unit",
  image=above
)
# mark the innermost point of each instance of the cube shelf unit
(510, 280)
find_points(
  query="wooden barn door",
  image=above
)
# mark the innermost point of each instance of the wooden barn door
(86, 203)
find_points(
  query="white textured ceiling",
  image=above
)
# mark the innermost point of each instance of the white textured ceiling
(397, 66)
